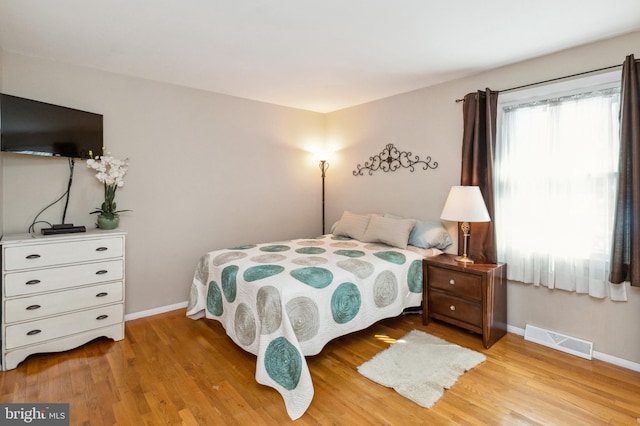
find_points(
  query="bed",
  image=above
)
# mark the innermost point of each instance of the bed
(283, 301)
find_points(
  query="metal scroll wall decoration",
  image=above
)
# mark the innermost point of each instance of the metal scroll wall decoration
(391, 159)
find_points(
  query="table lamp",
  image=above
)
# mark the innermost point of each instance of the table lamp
(465, 204)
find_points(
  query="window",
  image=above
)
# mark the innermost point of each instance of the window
(555, 183)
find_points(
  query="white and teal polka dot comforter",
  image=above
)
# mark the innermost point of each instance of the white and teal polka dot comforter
(283, 301)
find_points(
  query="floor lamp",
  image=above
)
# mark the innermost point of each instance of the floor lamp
(465, 204)
(324, 165)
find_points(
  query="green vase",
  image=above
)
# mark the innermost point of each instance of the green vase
(108, 223)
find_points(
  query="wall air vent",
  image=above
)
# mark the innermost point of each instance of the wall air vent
(561, 342)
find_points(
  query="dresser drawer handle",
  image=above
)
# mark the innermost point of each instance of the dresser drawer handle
(33, 256)
(453, 308)
(32, 282)
(101, 272)
(101, 317)
(102, 249)
(33, 332)
(103, 294)
(452, 282)
(33, 307)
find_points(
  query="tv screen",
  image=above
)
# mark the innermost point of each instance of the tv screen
(39, 128)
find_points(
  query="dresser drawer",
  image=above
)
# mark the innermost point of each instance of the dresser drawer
(455, 283)
(64, 325)
(453, 307)
(39, 280)
(41, 255)
(42, 305)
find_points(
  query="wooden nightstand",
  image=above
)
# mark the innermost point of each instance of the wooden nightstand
(470, 296)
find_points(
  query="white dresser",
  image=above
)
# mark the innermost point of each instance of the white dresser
(60, 291)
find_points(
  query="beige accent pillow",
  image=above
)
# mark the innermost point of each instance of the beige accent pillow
(352, 225)
(393, 232)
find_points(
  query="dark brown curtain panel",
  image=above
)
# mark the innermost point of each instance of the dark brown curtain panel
(478, 147)
(625, 251)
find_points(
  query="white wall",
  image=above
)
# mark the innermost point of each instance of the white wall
(429, 122)
(207, 171)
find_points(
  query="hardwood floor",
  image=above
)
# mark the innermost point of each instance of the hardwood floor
(173, 370)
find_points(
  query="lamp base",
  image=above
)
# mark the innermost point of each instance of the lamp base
(464, 259)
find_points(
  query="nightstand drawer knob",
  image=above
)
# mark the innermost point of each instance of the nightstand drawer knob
(452, 282)
(33, 332)
(33, 307)
(33, 256)
(453, 308)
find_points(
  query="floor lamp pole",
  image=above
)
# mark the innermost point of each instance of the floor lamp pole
(324, 165)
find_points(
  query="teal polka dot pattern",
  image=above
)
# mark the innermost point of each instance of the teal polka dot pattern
(392, 256)
(275, 248)
(245, 325)
(313, 276)
(414, 277)
(256, 273)
(341, 238)
(245, 247)
(229, 285)
(350, 253)
(214, 299)
(310, 250)
(283, 363)
(345, 303)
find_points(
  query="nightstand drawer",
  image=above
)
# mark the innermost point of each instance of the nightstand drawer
(453, 307)
(455, 283)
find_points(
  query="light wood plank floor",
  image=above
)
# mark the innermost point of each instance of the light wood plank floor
(173, 370)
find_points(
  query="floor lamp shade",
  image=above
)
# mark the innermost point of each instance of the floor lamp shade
(465, 204)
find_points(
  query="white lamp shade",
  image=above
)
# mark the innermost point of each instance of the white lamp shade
(465, 204)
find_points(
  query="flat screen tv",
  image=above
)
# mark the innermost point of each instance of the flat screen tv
(39, 128)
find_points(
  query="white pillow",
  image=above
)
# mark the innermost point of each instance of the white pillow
(394, 232)
(352, 225)
(427, 234)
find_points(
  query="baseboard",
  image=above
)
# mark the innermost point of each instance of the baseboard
(620, 362)
(155, 311)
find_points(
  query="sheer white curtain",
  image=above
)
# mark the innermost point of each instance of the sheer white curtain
(555, 182)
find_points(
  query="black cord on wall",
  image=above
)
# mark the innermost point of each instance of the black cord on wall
(66, 193)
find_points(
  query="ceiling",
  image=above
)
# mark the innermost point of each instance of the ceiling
(318, 55)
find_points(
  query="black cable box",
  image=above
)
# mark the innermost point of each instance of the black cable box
(65, 229)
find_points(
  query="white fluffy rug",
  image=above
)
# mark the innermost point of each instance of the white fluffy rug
(420, 366)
